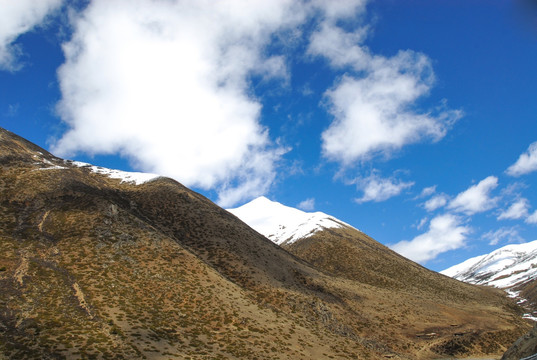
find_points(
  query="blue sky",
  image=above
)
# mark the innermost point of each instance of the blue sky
(411, 120)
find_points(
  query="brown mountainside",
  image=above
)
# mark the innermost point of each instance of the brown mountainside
(92, 267)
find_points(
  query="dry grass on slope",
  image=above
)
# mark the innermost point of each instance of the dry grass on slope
(412, 303)
(95, 268)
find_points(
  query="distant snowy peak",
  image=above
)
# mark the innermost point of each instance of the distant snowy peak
(505, 268)
(137, 178)
(283, 224)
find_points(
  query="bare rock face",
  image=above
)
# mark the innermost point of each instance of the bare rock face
(524, 347)
(97, 263)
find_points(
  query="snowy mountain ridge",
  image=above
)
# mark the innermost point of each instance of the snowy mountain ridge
(283, 224)
(504, 268)
(136, 178)
(512, 268)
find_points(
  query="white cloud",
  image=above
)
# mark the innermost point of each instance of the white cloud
(517, 210)
(526, 163)
(422, 223)
(436, 202)
(476, 198)
(427, 191)
(495, 237)
(379, 189)
(532, 219)
(372, 103)
(446, 232)
(16, 18)
(166, 85)
(307, 205)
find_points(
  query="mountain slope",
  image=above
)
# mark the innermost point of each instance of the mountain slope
(346, 252)
(103, 264)
(94, 266)
(512, 268)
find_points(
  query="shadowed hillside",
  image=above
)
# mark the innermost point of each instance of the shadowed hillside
(97, 267)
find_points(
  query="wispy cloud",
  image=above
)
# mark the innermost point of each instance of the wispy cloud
(436, 202)
(476, 198)
(422, 223)
(508, 233)
(16, 18)
(446, 232)
(532, 219)
(526, 163)
(428, 191)
(377, 189)
(307, 205)
(517, 210)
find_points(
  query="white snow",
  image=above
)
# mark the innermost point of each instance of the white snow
(283, 224)
(137, 178)
(53, 167)
(503, 268)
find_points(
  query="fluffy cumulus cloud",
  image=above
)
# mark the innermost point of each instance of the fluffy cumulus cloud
(509, 234)
(517, 210)
(372, 104)
(376, 188)
(526, 163)
(16, 18)
(168, 85)
(476, 198)
(165, 83)
(446, 232)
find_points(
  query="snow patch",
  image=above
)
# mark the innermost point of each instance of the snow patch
(54, 167)
(137, 178)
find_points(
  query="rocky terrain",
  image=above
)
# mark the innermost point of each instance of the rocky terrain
(103, 264)
(524, 348)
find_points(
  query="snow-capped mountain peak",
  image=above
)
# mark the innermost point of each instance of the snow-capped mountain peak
(504, 268)
(512, 268)
(283, 224)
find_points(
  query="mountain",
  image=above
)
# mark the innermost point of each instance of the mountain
(98, 263)
(283, 224)
(341, 250)
(512, 268)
